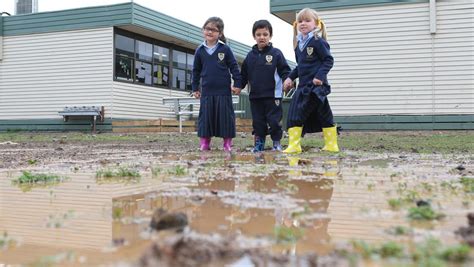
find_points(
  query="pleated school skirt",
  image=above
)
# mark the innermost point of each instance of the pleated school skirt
(216, 117)
(310, 110)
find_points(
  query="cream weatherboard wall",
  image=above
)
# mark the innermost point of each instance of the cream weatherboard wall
(42, 73)
(387, 61)
(131, 101)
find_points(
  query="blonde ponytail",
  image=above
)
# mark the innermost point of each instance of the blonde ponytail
(295, 33)
(322, 28)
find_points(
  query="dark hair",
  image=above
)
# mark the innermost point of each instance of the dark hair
(262, 24)
(219, 23)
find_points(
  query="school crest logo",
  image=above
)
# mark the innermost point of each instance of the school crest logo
(277, 102)
(309, 50)
(221, 56)
(269, 59)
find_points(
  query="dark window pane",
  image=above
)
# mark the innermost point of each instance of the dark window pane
(160, 75)
(144, 51)
(188, 79)
(143, 72)
(123, 68)
(179, 78)
(124, 46)
(179, 59)
(161, 55)
(190, 61)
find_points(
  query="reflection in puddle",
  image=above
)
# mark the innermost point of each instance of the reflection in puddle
(298, 205)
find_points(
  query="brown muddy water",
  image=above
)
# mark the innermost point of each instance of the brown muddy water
(314, 203)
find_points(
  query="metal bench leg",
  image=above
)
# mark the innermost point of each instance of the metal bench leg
(180, 124)
(94, 119)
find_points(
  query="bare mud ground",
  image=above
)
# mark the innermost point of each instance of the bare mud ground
(387, 199)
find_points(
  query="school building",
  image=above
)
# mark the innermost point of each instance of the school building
(399, 64)
(124, 57)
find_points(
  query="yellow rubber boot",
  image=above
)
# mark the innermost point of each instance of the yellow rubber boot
(293, 161)
(294, 144)
(330, 139)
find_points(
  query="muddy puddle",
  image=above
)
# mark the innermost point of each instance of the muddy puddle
(286, 205)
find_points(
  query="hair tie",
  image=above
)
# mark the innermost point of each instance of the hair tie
(320, 23)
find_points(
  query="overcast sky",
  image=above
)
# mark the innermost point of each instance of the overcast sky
(238, 15)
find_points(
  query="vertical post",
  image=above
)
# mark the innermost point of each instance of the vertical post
(432, 16)
(94, 120)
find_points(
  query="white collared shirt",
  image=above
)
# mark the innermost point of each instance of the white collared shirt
(211, 50)
(303, 42)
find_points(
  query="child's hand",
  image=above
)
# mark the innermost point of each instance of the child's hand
(287, 85)
(197, 94)
(317, 82)
(236, 90)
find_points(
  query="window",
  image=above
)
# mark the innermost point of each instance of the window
(124, 51)
(144, 55)
(161, 63)
(143, 72)
(123, 68)
(182, 69)
(150, 62)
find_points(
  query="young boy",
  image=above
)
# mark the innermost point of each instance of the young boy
(264, 69)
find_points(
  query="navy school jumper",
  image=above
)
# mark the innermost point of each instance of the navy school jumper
(309, 106)
(265, 70)
(212, 76)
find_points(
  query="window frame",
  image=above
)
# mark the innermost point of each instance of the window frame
(154, 42)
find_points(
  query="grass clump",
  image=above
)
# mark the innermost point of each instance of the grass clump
(391, 249)
(121, 175)
(432, 253)
(29, 180)
(458, 253)
(395, 203)
(467, 184)
(178, 171)
(285, 234)
(425, 213)
(399, 230)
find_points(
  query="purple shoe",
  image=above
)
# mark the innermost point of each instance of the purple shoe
(205, 143)
(227, 144)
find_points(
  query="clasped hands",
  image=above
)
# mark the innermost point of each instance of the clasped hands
(288, 84)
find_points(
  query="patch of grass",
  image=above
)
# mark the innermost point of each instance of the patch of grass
(121, 175)
(424, 213)
(391, 249)
(363, 248)
(418, 142)
(400, 230)
(432, 253)
(121, 172)
(287, 234)
(178, 171)
(467, 183)
(155, 171)
(451, 186)
(395, 203)
(29, 180)
(458, 253)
